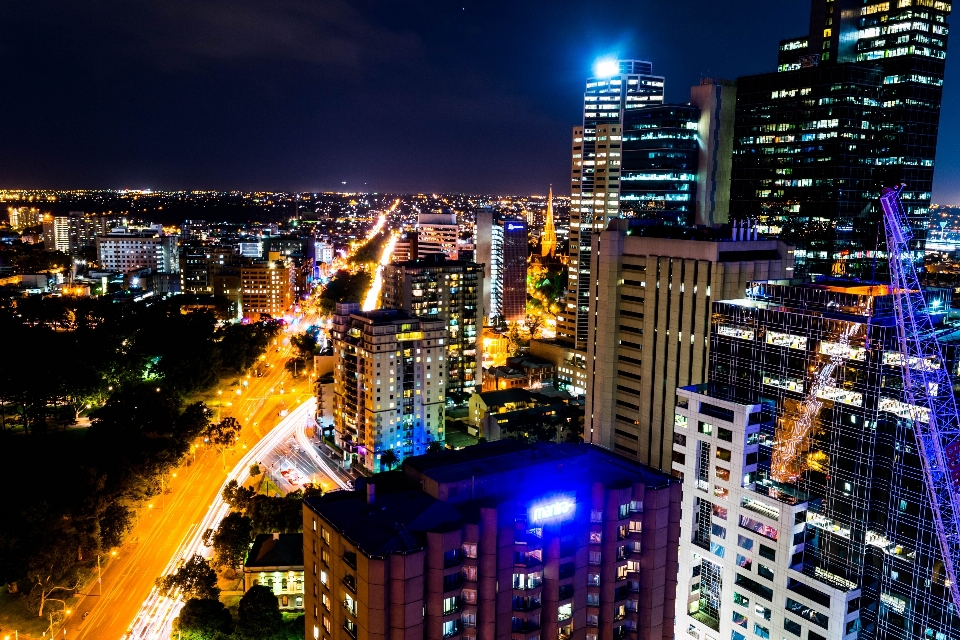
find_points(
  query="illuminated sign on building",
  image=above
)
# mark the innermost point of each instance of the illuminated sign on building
(559, 508)
(514, 227)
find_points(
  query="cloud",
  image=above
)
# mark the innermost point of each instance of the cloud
(332, 34)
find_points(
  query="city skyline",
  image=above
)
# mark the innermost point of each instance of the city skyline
(187, 112)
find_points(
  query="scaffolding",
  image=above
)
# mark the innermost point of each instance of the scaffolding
(928, 391)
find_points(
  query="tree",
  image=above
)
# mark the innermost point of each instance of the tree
(52, 570)
(232, 539)
(195, 579)
(534, 324)
(202, 619)
(259, 614)
(434, 447)
(254, 470)
(115, 521)
(513, 339)
(238, 497)
(388, 459)
(222, 435)
(305, 344)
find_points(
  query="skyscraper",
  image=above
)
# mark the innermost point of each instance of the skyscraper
(437, 233)
(853, 106)
(516, 250)
(618, 86)
(650, 314)
(435, 288)
(805, 510)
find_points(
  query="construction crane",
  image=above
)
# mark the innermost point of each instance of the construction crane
(927, 387)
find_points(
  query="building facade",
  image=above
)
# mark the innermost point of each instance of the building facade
(267, 287)
(123, 251)
(435, 288)
(75, 231)
(24, 217)
(649, 318)
(275, 561)
(488, 240)
(389, 383)
(500, 540)
(438, 233)
(805, 507)
(200, 263)
(853, 107)
(516, 251)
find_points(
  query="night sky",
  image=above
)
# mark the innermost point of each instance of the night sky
(386, 95)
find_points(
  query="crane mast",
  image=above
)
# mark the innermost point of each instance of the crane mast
(927, 387)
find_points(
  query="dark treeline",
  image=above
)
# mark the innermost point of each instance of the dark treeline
(131, 367)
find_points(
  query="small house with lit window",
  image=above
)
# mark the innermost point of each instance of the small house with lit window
(276, 561)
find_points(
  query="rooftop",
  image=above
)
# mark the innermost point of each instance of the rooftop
(276, 550)
(408, 503)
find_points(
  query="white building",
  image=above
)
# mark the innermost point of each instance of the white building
(123, 251)
(438, 233)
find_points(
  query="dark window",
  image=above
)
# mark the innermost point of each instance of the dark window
(768, 553)
(791, 626)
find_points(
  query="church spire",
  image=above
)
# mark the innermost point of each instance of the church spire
(548, 245)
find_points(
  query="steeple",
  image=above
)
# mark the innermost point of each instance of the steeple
(548, 245)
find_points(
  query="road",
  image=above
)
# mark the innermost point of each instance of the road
(163, 529)
(170, 528)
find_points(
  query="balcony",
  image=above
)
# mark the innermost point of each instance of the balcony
(350, 628)
(350, 606)
(452, 581)
(524, 626)
(350, 583)
(350, 559)
(566, 591)
(526, 603)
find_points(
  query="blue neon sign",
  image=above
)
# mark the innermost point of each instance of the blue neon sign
(514, 227)
(561, 507)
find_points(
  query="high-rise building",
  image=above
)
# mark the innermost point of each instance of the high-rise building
(389, 392)
(500, 540)
(200, 263)
(488, 241)
(658, 165)
(805, 510)
(717, 102)
(75, 231)
(267, 286)
(437, 233)
(649, 318)
(513, 292)
(854, 106)
(123, 251)
(24, 217)
(435, 288)
(195, 230)
(618, 86)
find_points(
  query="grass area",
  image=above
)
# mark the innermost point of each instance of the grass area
(15, 615)
(268, 487)
(457, 435)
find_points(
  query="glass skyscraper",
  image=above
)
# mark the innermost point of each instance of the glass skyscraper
(595, 173)
(805, 512)
(854, 106)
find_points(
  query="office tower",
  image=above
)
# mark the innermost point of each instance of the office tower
(24, 217)
(450, 291)
(717, 102)
(500, 540)
(75, 231)
(488, 240)
(250, 249)
(437, 233)
(388, 383)
(196, 230)
(267, 287)
(516, 250)
(200, 263)
(649, 316)
(123, 251)
(853, 107)
(618, 86)
(805, 510)
(658, 164)
(548, 242)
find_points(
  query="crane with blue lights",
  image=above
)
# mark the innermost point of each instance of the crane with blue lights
(927, 387)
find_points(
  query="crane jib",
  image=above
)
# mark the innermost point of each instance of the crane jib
(927, 387)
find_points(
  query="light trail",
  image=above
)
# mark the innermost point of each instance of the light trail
(155, 619)
(372, 301)
(319, 459)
